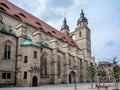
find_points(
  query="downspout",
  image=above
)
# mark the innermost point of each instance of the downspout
(15, 80)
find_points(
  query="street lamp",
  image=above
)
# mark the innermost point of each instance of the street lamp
(75, 80)
(75, 67)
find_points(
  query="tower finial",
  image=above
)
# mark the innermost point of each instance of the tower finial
(64, 21)
(81, 5)
(82, 13)
(64, 14)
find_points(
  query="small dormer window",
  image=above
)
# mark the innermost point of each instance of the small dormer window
(63, 37)
(38, 23)
(22, 15)
(16, 16)
(2, 9)
(49, 33)
(4, 5)
(40, 28)
(54, 32)
(71, 41)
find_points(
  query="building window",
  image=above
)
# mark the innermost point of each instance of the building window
(80, 34)
(70, 62)
(7, 51)
(43, 65)
(25, 59)
(35, 54)
(3, 75)
(58, 66)
(6, 75)
(25, 75)
(81, 64)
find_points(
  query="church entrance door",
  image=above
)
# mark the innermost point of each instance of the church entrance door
(34, 81)
(72, 77)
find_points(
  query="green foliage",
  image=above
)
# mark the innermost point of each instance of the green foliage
(114, 60)
(101, 73)
(116, 73)
(115, 69)
(91, 70)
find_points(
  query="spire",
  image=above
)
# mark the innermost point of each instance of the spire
(82, 18)
(82, 14)
(64, 26)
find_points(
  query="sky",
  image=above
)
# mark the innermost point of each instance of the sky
(103, 18)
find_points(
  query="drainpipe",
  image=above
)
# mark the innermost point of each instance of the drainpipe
(15, 80)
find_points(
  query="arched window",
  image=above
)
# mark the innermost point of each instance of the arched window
(7, 50)
(80, 34)
(58, 66)
(43, 65)
(70, 62)
(22, 15)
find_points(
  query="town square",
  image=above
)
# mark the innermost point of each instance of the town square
(59, 44)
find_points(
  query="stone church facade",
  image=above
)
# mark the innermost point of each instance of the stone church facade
(33, 53)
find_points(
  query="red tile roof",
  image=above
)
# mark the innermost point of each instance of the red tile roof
(19, 13)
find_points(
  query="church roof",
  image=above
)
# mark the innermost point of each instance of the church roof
(29, 42)
(11, 9)
(3, 30)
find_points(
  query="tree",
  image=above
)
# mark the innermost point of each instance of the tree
(91, 72)
(101, 74)
(116, 73)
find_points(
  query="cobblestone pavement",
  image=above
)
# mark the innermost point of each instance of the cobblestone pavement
(83, 86)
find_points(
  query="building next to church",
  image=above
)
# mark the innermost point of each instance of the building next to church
(33, 53)
(107, 66)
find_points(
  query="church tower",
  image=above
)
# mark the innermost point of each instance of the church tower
(65, 27)
(83, 36)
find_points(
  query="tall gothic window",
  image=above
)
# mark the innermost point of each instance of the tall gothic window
(43, 65)
(58, 66)
(7, 52)
(80, 34)
(70, 62)
(81, 64)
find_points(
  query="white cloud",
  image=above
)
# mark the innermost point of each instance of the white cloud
(102, 16)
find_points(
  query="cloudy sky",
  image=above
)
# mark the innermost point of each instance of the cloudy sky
(103, 17)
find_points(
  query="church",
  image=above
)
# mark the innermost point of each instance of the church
(33, 53)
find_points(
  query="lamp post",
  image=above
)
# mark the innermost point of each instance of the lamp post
(75, 67)
(75, 81)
